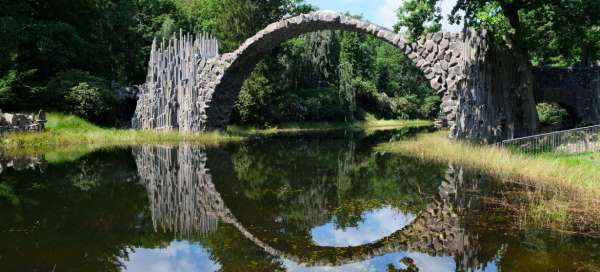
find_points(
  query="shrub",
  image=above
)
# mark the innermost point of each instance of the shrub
(550, 113)
(430, 107)
(91, 102)
(78, 92)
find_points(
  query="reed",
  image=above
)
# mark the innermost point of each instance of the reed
(563, 190)
(369, 124)
(62, 130)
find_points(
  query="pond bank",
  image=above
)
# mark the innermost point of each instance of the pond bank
(64, 130)
(563, 191)
(70, 132)
(369, 124)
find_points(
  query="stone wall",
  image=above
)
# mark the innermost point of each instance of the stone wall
(496, 99)
(576, 89)
(17, 122)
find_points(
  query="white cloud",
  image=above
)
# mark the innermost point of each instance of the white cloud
(386, 13)
(376, 225)
(178, 256)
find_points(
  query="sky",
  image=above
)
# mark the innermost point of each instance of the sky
(381, 12)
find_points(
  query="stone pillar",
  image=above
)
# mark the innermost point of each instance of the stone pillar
(41, 120)
(496, 98)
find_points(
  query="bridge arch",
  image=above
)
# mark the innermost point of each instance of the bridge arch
(438, 55)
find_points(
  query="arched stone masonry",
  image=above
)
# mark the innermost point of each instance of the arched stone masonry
(216, 85)
(481, 99)
(438, 55)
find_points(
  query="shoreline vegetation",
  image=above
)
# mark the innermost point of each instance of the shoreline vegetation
(289, 128)
(68, 132)
(560, 191)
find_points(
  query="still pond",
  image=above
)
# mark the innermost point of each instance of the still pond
(311, 202)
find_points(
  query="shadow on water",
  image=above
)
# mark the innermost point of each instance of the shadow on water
(306, 202)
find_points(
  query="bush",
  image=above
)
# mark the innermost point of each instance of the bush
(550, 113)
(406, 107)
(80, 93)
(430, 107)
(371, 100)
(91, 102)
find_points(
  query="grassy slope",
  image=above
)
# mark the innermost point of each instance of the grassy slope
(568, 186)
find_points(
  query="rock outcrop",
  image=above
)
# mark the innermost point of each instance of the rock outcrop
(17, 122)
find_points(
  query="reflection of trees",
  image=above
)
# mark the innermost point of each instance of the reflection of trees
(59, 224)
(278, 189)
(300, 183)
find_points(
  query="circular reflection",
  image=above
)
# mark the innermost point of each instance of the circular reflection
(375, 225)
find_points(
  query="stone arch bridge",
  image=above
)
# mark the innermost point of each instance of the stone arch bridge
(191, 87)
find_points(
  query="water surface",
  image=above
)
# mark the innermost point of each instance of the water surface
(314, 202)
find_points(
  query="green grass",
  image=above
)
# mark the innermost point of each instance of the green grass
(68, 137)
(369, 124)
(567, 186)
(63, 130)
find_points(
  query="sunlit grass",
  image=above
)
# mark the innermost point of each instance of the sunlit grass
(567, 187)
(68, 137)
(369, 124)
(62, 130)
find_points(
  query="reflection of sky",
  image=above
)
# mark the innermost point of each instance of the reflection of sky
(424, 263)
(380, 263)
(376, 225)
(177, 256)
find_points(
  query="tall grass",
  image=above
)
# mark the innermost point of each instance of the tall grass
(567, 187)
(368, 124)
(62, 129)
(68, 134)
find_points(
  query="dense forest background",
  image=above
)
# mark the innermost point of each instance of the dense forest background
(71, 55)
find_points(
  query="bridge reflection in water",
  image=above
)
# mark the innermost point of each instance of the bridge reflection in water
(185, 201)
(298, 203)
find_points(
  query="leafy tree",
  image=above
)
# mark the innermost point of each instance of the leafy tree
(419, 16)
(347, 95)
(321, 52)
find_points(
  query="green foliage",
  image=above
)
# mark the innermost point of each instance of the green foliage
(558, 32)
(551, 113)
(419, 17)
(255, 100)
(491, 17)
(80, 93)
(92, 102)
(346, 90)
(237, 20)
(65, 56)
